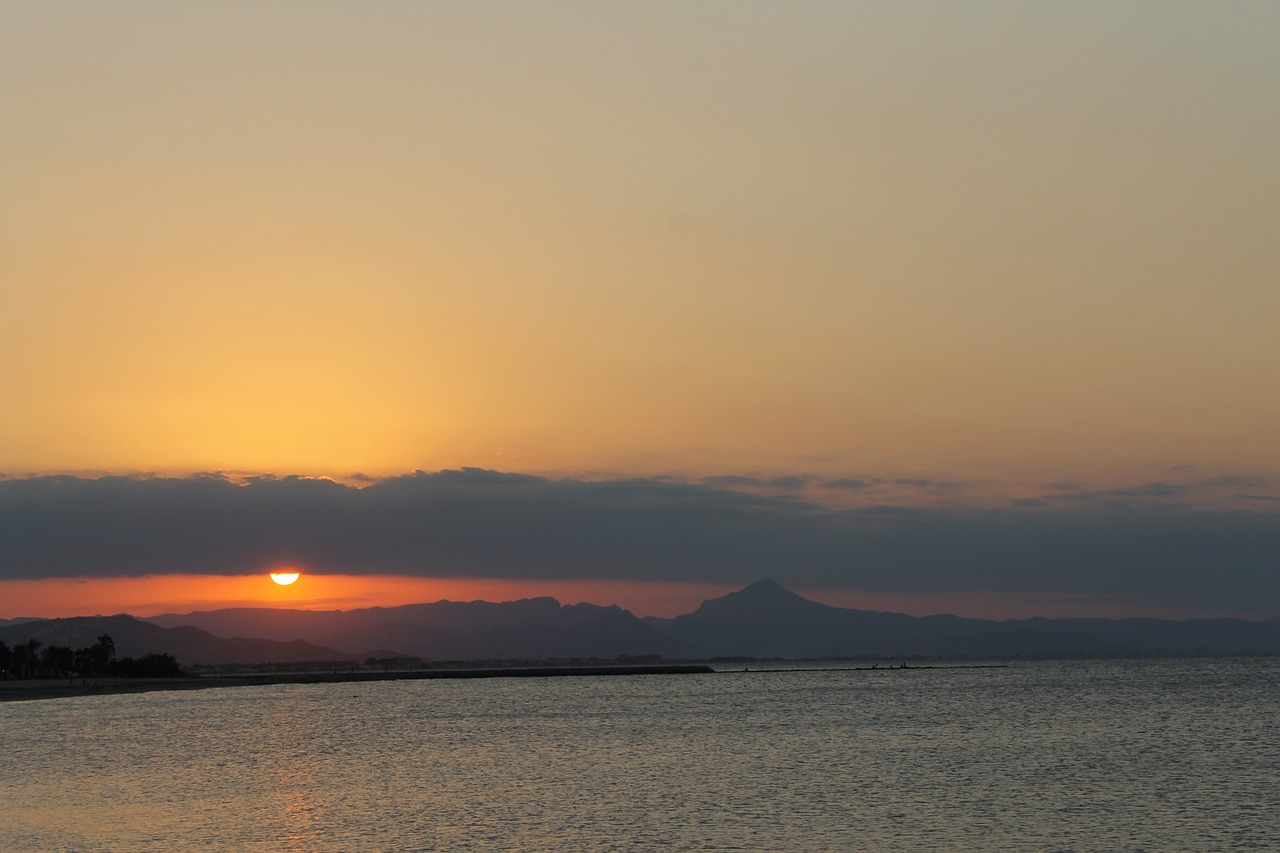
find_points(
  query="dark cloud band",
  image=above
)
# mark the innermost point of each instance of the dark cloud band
(489, 524)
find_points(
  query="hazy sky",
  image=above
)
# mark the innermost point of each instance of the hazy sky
(975, 257)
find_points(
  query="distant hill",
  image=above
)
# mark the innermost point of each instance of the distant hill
(135, 638)
(766, 620)
(531, 628)
(761, 620)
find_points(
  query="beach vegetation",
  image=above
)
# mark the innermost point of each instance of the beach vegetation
(31, 659)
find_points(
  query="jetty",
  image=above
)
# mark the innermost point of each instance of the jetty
(61, 688)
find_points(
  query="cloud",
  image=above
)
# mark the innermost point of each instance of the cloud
(1238, 481)
(731, 481)
(483, 523)
(1216, 489)
(1151, 490)
(931, 485)
(851, 484)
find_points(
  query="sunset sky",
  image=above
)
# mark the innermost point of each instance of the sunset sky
(918, 306)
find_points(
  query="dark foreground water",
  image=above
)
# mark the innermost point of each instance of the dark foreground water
(1052, 756)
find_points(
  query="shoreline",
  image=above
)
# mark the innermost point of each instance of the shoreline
(20, 691)
(58, 688)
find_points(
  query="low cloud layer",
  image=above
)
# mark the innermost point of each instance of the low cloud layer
(489, 524)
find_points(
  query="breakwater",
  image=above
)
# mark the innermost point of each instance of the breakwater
(60, 688)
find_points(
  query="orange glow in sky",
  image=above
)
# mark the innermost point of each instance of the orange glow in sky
(156, 594)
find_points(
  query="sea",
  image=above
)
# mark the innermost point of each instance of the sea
(1087, 755)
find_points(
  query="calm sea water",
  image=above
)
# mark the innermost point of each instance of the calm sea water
(1046, 756)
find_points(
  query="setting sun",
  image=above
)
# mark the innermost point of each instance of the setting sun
(285, 578)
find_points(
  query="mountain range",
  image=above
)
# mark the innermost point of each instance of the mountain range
(761, 620)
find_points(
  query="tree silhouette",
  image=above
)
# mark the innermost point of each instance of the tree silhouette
(58, 661)
(26, 657)
(83, 663)
(150, 666)
(25, 660)
(102, 651)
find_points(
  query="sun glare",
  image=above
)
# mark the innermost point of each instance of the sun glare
(284, 578)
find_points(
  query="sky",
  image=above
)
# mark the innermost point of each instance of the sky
(921, 306)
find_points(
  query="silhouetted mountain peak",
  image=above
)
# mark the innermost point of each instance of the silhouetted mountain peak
(765, 588)
(766, 598)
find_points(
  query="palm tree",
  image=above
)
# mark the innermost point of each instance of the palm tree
(82, 663)
(103, 651)
(26, 656)
(58, 660)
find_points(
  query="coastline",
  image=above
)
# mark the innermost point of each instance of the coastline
(59, 688)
